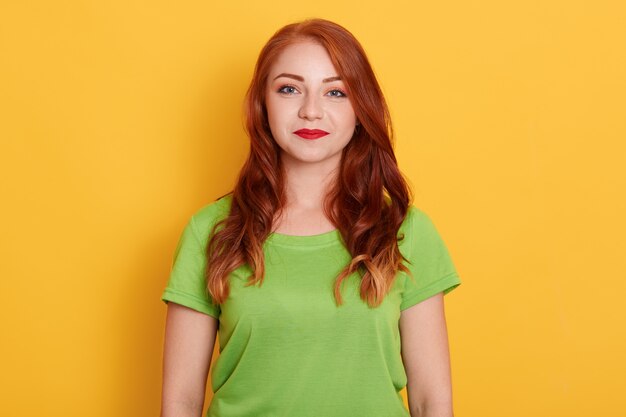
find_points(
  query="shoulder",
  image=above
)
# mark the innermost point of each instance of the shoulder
(418, 230)
(416, 221)
(206, 216)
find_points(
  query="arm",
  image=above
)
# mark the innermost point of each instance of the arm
(189, 339)
(426, 358)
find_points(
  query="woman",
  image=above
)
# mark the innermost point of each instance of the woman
(325, 284)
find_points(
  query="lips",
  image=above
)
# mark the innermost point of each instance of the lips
(310, 133)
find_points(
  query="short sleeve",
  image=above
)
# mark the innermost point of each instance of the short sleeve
(187, 282)
(429, 261)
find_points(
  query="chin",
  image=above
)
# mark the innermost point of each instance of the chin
(310, 159)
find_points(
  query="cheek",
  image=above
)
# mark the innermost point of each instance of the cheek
(276, 114)
(348, 118)
(271, 114)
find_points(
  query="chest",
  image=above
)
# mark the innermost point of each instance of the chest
(296, 301)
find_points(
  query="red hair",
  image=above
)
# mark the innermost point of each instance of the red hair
(366, 209)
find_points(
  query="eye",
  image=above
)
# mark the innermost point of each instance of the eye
(287, 89)
(336, 93)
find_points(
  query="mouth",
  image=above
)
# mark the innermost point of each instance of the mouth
(310, 133)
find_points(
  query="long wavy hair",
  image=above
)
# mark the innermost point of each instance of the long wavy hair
(367, 202)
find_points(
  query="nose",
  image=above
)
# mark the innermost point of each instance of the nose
(311, 108)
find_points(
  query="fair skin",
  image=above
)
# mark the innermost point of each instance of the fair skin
(189, 340)
(303, 92)
(426, 357)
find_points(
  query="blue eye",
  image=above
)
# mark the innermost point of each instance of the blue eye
(337, 93)
(287, 89)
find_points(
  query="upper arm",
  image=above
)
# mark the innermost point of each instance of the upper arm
(425, 355)
(189, 339)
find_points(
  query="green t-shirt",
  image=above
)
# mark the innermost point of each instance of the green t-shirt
(285, 348)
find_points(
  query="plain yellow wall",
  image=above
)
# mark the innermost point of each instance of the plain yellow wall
(119, 119)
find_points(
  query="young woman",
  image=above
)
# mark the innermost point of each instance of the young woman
(324, 283)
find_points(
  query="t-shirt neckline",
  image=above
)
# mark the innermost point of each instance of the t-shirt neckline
(306, 240)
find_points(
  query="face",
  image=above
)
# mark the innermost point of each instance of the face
(309, 112)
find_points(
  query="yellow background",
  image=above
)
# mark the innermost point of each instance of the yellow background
(119, 119)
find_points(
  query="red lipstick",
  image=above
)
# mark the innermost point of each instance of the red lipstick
(310, 133)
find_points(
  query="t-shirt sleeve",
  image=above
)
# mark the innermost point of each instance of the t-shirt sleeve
(430, 263)
(187, 282)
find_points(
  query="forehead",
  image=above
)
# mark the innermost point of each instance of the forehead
(307, 59)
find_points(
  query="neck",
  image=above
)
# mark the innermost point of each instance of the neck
(307, 183)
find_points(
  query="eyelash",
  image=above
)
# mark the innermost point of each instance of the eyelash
(281, 90)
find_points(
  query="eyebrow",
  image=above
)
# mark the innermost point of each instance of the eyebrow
(299, 78)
